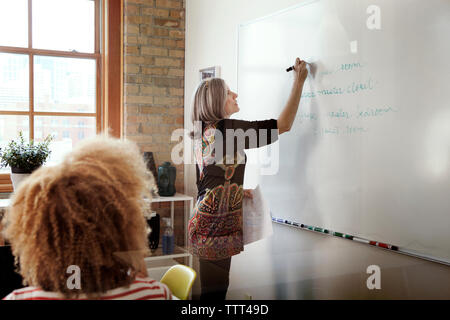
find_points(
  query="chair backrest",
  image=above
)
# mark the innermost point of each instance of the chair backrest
(179, 279)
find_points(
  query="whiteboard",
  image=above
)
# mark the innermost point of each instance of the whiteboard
(369, 151)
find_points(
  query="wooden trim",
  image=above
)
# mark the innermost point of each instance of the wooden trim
(121, 80)
(4, 176)
(100, 107)
(30, 24)
(31, 71)
(64, 114)
(97, 27)
(6, 188)
(104, 64)
(99, 70)
(114, 67)
(5, 183)
(58, 114)
(31, 94)
(44, 52)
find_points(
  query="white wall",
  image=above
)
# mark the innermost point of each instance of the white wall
(211, 40)
(293, 264)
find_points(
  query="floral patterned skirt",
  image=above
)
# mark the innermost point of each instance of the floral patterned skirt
(215, 229)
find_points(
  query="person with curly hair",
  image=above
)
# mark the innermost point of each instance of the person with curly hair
(85, 215)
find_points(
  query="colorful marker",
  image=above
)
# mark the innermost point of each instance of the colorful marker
(337, 234)
(383, 245)
(361, 240)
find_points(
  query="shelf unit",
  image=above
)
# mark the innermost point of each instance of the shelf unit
(159, 262)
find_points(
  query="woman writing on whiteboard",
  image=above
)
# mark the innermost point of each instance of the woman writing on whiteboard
(215, 229)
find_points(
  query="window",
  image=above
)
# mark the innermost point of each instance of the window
(49, 70)
(53, 76)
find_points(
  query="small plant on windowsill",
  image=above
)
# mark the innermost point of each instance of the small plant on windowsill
(24, 157)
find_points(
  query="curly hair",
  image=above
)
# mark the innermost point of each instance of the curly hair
(87, 212)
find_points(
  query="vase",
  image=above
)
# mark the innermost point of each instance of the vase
(166, 179)
(17, 179)
(18, 175)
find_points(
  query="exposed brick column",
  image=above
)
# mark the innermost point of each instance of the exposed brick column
(154, 42)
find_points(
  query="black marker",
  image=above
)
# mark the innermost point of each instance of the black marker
(292, 68)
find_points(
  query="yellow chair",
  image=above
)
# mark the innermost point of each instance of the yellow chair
(179, 279)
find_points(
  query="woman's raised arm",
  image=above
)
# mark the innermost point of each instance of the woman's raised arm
(287, 116)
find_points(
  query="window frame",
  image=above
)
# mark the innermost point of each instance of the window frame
(109, 62)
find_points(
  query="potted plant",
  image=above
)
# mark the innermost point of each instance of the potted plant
(23, 158)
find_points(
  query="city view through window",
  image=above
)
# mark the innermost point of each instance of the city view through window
(64, 82)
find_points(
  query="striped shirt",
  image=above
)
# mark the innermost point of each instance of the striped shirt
(140, 289)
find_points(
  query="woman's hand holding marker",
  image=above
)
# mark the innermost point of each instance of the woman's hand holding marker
(300, 71)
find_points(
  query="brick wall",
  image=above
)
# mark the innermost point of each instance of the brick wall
(154, 42)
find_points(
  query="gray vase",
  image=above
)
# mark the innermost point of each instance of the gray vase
(18, 178)
(18, 175)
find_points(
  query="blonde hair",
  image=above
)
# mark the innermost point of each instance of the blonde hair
(209, 101)
(84, 212)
